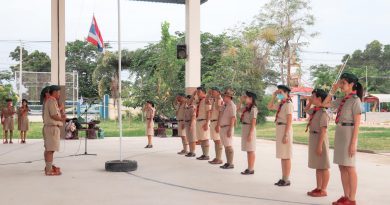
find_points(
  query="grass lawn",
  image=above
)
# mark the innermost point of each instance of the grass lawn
(370, 138)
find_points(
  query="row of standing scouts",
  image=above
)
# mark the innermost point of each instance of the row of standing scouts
(212, 114)
(7, 121)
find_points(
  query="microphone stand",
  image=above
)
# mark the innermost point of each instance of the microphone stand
(86, 134)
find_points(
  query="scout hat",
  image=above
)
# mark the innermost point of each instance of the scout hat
(320, 93)
(251, 94)
(284, 88)
(349, 77)
(8, 100)
(229, 92)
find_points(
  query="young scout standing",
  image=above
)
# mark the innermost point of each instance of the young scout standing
(23, 123)
(248, 135)
(149, 114)
(216, 103)
(203, 122)
(284, 132)
(347, 130)
(225, 126)
(180, 112)
(7, 119)
(318, 141)
(190, 125)
(52, 123)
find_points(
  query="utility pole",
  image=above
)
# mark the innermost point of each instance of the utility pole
(366, 80)
(20, 70)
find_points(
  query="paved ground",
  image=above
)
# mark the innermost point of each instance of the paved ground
(163, 177)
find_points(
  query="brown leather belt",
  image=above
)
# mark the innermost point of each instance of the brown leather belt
(213, 120)
(347, 124)
(281, 123)
(200, 120)
(225, 125)
(314, 132)
(245, 123)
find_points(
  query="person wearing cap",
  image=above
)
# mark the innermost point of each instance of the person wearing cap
(281, 102)
(150, 112)
(53, 120)
(180, 112)
(7, 120)
(318, 141)
(216, 103)
(23, 122)
(248, 109)
(225, 126)
(190, 125)
(347, 131)
(203, 110)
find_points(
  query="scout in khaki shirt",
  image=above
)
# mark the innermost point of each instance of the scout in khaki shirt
(318, 141)
(23, 123)
(347, 130)
(190, 125)
(284, 132)
(7, 120)
(180, 112)
(248, 109)
(203, 111)
(225, 126)
(52, 123)
(216, 103)
(149, 114)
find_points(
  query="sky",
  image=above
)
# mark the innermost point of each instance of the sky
(344, 25)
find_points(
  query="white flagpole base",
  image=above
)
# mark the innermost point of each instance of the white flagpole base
(121, 165)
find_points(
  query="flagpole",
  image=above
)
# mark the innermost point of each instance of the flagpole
(119, 81)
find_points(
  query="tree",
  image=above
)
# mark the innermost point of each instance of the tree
(35, 62)
(323, 76)
(81, 56)
(290, 19)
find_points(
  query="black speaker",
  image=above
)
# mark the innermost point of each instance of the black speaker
(181, 51)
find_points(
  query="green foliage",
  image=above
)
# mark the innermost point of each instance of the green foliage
(35, 62)
(6, 91)
(323, 76)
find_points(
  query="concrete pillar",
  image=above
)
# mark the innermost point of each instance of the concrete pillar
(58, 45)
(193, 74)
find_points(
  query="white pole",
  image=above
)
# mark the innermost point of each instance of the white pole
(73, 91)
(119, 81)
(20, 70)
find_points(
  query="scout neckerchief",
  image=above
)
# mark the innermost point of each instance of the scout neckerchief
(280, 107)
(246, 109)
(197, 107)
(342, 104)
(312, 116)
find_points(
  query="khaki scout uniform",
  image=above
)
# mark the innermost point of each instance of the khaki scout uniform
(149, 114)
(215, 109)
(319, 120)
(284, 151)
(344, 130)
(246, 127)
(23, 123)
(8, 115)
(180, 119)
(189, 119)
(51, 127)
(228, 110)
(204, 108)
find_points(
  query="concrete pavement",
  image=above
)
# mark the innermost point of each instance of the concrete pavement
(163, 177)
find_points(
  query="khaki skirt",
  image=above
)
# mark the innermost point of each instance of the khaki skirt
(315, 161)
(283, 151)
(149, 131)
(181, 132)
(245, 145)
(23, 124)
(8, 124)
(51, 138)
(342, 141)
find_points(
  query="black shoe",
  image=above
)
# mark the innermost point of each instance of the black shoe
(149, 146)
(283, 183)
(227, 166)
(203, 157)
(248, 172)
(190, 154)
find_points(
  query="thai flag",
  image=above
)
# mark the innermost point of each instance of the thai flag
(94, 35)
